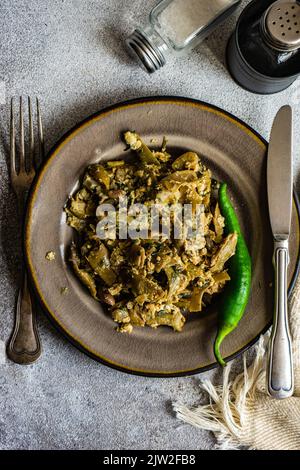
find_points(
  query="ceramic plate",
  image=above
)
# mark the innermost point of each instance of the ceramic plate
(235, 154)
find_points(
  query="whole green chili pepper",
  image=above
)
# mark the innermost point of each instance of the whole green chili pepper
(236, 294)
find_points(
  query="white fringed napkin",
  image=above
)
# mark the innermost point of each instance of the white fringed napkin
(241, 413)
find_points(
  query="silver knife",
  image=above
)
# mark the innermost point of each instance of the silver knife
(280, 194)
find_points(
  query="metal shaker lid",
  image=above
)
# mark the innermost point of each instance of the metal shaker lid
(150, 57)
(281, 25)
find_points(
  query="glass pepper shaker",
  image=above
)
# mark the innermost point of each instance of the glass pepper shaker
(263, 54)
(175, 27)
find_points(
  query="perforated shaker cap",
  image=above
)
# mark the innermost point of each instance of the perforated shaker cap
(281, 25)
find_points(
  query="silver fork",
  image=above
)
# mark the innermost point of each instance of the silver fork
(24, 346)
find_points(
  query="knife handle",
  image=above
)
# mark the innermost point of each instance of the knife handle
(280, 368)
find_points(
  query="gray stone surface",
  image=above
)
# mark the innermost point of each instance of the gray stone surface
(70, 53)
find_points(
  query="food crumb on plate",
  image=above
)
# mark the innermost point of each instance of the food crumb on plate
(50, 256)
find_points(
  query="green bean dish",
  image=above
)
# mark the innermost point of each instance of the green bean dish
(153, 280)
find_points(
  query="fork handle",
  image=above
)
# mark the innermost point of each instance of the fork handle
(24, 346)
(280, 370)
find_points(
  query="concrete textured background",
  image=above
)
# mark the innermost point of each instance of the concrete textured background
(71, 54)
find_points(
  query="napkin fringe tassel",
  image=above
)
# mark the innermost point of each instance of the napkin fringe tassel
(229, 403)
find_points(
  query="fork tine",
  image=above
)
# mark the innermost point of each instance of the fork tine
(30, 161)
(12, 140)
(22, 141)
(40, 131)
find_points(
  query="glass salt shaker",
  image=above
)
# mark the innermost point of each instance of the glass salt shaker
(175, 27)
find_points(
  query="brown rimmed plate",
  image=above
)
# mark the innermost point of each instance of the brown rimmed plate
(235, 154)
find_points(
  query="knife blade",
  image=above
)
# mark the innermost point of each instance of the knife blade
(280, 194)
(280, 173)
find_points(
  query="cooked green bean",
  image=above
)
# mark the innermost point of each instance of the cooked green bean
(135, 143)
